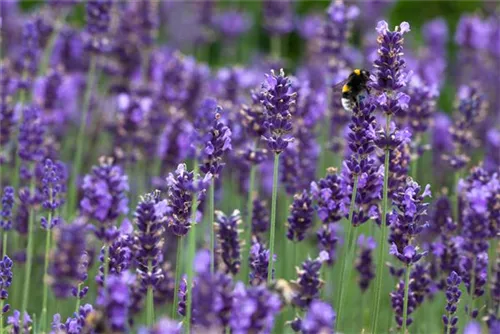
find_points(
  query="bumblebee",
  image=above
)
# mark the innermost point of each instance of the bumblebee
(354, 86)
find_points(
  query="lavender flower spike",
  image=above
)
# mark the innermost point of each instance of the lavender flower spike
(301, 216)
(114, 300)
(259, 263)
(309, 281)
(453, 294)
(218, 143)
(5, 281)
(228, 235)
(7, 206)
(320, 318)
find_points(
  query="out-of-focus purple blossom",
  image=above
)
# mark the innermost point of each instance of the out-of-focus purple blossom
(163, 326)
(8, 88)
(409, 221)
(229, 240)
(260, 217)
(5, 281)
(420, 283)
(320, 318)
(150, 216)
(254, 309)
(73, 325)
(183, 187)
(105, 196)
(278, 16)
(7, 207)
(78, 291)
(98, 21)
(27, 60)
(492, 155)
(471, 111)
(47, 93)
(328, 195)
(279, 98)
(165, 289)
(182, 294)
(441, 140)
(301, 216)
(31, 135)
(435, 33)
(114, 301)
(259, 263)
(390, 74)
(53, 187)
(232, 24)
(433, 63)
(254, 116)
(328, 237)
(364, 264)
(218, 143)
(397, 301)
(309, 26)
(473, 327)
(20, 325)
(399, 163)
(66, 268)
(308, 281)
(453, 294)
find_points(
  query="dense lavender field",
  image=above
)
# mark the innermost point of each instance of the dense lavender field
(161, 173)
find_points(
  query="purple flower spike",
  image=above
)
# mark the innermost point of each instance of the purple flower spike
(98, 21)
(114, 300)
(278, 100)
(219, 142)
(5, 280)
(301, 216)
(254, 309)
(229, 240)
(182, 186)
(163, 326)
(27, 61)
(309, 281)
(259, 262)
(53, 187)
(260, 217)
(320, 318)
(7, 206)
(364, 264)
(105, 196)
(31, 135)
(328, 237)
(278, 16)
(328, 195)
(453, 294)
(20, 325)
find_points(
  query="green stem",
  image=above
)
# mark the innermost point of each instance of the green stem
(346, 267)
(43, 320)
(383, 240)
(48, 51)
(248, 226)
(4, 244)
(29, 251)
(80, 140)
(78, 300)
(276, 46)
(177, 277)
(406, 295)
(273, 219)
(211, 199)
(191, 253)
(149, 302)
(414, 169)
(17, 159)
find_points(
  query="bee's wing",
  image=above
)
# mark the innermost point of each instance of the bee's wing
(339, 85)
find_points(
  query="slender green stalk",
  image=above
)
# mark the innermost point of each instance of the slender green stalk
(414, 168)
(191, 253)
(211, 200)
(17, 159)
(273, 219)
(78, 300)
(405, 300)
(80, 140)
(48, 52)
(383, 240)
(276, 46)
(177, 277)
(346, 267)
(149, 302)
(4, 244)
(248, 226)
(29, 251)
(43, 320)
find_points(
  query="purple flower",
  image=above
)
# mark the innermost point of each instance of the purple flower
(278, 101)
(364, 264)
(218, 143)
(114, 300)
(150, 216)
(389, 74)
(397, 301)
(7, 207)
(182, 294)
(20, 325)
(31, 135)
(254, 309)
(8, 88)
(260, 217)
(328, 237)
(73, 325)
(228, 236)
(278, 16)
(67, 259)
(308, 281)
(5, 281)
(301, 216)
(309, 26)
(182, 187)
(472, 32)
(453, 294)
(473, 327)
(253, 117)
(98, 21)
(328, 195)
(105, 195)
(163, 326)
(27, 60)
(53, 187)
(319, 319)
(232, 24)
(259, 262)
(408, 256)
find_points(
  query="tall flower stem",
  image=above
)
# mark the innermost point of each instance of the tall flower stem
(149, 301)
(191, 253)
(273, 218)
(405, 300)
(80, 140)
(383, 240)
(4, 244)
(17, 159)
(78, 300)
(346, 267)
(211, 204)
(177, 277)
(29, 251)
(276, 46)
(248, 225)
(43, 320)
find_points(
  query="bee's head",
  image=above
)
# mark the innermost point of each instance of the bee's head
(365, 74)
